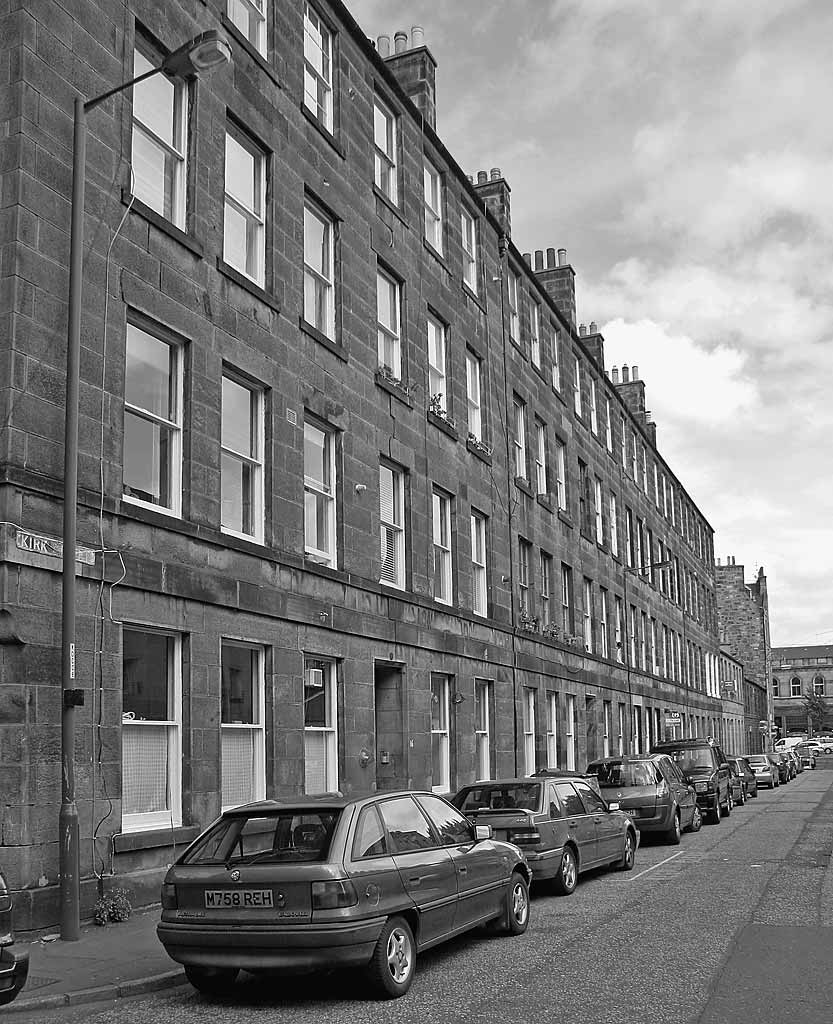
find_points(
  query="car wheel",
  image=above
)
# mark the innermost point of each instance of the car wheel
(674, 834)
(393, 963)
(742, 800)
(696, 820)
(211, 981)
(516, 911)
(564, 882)
(716, 811)
(730, 803)
(628, 853)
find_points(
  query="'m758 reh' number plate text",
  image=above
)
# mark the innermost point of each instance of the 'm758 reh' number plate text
(216, 899)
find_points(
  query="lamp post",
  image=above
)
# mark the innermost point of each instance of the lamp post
(205, 52)
(626, 639)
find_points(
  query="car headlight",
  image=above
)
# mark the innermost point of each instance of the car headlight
(701, 787)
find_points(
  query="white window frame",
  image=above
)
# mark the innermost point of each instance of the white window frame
(604, 622)
(654, 658)
(541, 481)
(528, 709)
(320, 311)
(633, 637)
(143, 821)
(566, 600)
(608, 426)
(174, 148)
(619, 626)
(519, 437)
(556, 362)
(249, 16)
(594, 410)
(620, 720)
(328, 670)
(570, 732)
(606, 724)
(545, 576)
(482, 729)
(624, 442)
(577, 387)
(598, 500)
(468, 227)
(433, 205)
(644, 468)
(561, 474)
(524, 551)
(392, 524)
(318, 67)
(474, 393)
(253, 459)
(795, 686)
(385, 170)
(512, 290)
(443, 568)
(437, 375)
(254, 217)
(479, 579)
(535, 333)
(552, 729)
(173, 426)
(614, 525)
(588, 615)
(256, 728)
(324, 491)
(634, 457)
(389, 335)
(643, 641)
(441, 735)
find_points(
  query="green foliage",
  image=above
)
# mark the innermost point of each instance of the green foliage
(113, 906)
(816, 707)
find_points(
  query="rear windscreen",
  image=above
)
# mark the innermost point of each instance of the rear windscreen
(283, 837)
(629, 773)
(500, 796)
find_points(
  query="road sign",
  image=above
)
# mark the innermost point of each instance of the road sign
(672, 718)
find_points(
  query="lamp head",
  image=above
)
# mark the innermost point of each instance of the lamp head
(203, 53)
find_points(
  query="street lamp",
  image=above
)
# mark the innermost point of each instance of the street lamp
(204, 53)
(627, 570)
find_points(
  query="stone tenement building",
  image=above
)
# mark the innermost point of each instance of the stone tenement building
(359, 506)
(797, 672)
(743, 616)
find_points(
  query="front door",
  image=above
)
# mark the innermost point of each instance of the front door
(391, 769)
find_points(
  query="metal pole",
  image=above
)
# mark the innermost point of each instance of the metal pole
(68, 833)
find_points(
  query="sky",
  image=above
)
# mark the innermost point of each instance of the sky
(682, 153)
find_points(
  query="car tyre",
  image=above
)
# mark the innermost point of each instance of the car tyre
(564, 882)
(716, 813)
(742, 800)
(675, 833)
(696, 820)
(730, 803)
(211, 981)
(628, 853)
(515, 918)
(392, 966)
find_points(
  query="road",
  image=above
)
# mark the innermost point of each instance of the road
(734, 926)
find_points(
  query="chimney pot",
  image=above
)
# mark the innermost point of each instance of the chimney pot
(582, 330)
(615, 374)
(634, 372)
(562, 257)
(539, 259)
(550, 258)
(528, 259)
(626, 373)
(495, 174)
(383, 46)
(594, 327)
(417, 36)
(400, 41)
(482, 177)
(471, 178)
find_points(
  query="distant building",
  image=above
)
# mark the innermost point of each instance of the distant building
(797, 672)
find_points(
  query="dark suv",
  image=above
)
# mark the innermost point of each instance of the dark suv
(706, 767)
(14, 961)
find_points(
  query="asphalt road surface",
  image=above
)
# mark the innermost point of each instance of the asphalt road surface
(734, 926)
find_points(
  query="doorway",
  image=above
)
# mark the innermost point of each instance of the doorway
(389, 718)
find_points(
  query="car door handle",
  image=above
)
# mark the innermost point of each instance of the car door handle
(415, 880)
(573, 824)
(463, 870)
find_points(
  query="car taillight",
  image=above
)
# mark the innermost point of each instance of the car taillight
(332, 895)
(169, 896)
(524, 836)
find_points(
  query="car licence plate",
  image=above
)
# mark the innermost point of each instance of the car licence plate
(219, 899)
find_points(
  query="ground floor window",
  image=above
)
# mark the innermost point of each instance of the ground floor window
(440, 740)
(570, 730)
(320, 728)
(552, 730)
(242, 716)
(482, 728)
(529, 731)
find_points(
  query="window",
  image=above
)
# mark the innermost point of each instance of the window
(656, 486)
(545, 567)
(406, 825)
(478, 564)
(519, 438)
(552, 730)
(594, 410)
(644, 468)
(389, 324)
(529, 730)
(620, 727)
(250, 17)
(634, 635)
(608, 426)
(584, 511)
(440, 761)
(512, 288)
(242, 717)
(244, 226)
(818, 686)
(535, 333)
(319, 493)
(442, 548)
(385, 144)
(319, 270)
(392, 525)
(623, 436)
(437, 383)
(152, 421)
(318, 68)
(620, 629)
(775, 687)
(640, 545)
(643, 641)
(561, 474)
(160, 135)
(666, 653)
(556, 362)
(577, 387)
(524, 552)
(588, 615)
(541, 457)
(151, 730)
(483, 728)
(795, 687)
(469, 232)
(634, 457)
(433, 203)
(566, 600)
(606, 724)
(654, 649)
(473, 395)
(604, 623)
(320, 730)
(598, 504)
(629, 547)
(242, 458)
(664, 496)
(614, 526)
(570, 732)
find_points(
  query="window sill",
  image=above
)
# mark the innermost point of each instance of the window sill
(438, 256)
(248, 284)
(442, 424)
(322, 131)
(158, 221)
(518, 347)
(565, 518)
(539, 370)
(544, 501)
(470, 293)
(477, 449)
(251, 50)
(389, 204)
(400, 391)
(322, 339)
(180, 835)
(523, 485)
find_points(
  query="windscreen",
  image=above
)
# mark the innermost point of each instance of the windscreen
(624, 773)
(282, 837)
(500, 796)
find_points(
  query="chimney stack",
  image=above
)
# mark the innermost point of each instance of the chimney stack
(559, 281)
(493, 190)
(594, 343)
(414, 68)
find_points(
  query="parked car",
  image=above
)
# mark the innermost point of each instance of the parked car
(750, 780)
(563, 773)
(787, 743)
(737, 784)
(825, 742)
(14, 961)
(323, 882)
(653, 790)
(765, 769)
(781, 766)
(704, 765)
(563, 826)
(794, 762)
(807, 752)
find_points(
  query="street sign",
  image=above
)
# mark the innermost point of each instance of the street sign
(672, 718)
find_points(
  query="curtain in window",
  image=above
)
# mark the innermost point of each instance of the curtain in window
(238, 758)
(144, 768)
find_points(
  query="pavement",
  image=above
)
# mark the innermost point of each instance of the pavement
(106, 962)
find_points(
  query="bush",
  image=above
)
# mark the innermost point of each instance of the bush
(113, 906)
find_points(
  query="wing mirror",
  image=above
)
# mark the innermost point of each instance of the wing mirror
(482, 832)
(613, 807)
